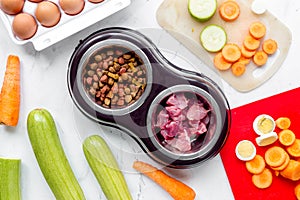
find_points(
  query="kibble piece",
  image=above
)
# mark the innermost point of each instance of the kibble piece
(98, 58)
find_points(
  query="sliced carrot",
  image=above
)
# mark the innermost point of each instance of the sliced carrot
(251, 43)
(263, 180)
(238, 68)
(283, 122)
(297, 191)
(294, 149)
(284, 165)
(229, 10)
(292, 171)
(256, 165)
(275, 156)
(269, 46)
(231, 52)
(257, 30)
(260, 58)
(10, 93)
(244, 60)
(247, 53)
(175, 188)
(286, 137)
(220, 63)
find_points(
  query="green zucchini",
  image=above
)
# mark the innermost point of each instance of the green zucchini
(51, 157)
(105, 168)
(10, 188)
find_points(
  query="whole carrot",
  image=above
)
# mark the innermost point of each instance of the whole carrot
(10, 93)
(177, 189)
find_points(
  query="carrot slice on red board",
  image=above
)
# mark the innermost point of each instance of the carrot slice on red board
(284, 165)
(263, 180)
(297, 191)
(292, 171)
(275, 156)
(256, 165)
(294, 149)
(286, 137)
(283, 122)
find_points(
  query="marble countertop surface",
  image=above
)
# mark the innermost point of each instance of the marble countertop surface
(44, 85)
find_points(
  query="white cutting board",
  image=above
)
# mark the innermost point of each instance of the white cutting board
(173, 16)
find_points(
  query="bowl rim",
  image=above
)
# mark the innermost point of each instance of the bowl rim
(203, 150)
(101, 45)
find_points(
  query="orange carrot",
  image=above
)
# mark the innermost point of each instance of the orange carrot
(275, 156)
(256, 165)
(269, 46)
(251, 43)
(286, 137)
(244, 60)
(257, 30)
(294, 149)
(297, 191)
(283, 122)
(247, 53)
(177, 189)
(292, 171)
(284, 165)
(229, 10)
(238, 68)
(260, 58)
(220, 63)
(10, 93)
(263, 180)
(231, 52)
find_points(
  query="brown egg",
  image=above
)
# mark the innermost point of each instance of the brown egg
(96, 1)
(71, 7)
(24, 26)
(47, 13)
(35, 1)
(12, 7)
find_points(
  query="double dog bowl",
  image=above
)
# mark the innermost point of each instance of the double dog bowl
(132, 102)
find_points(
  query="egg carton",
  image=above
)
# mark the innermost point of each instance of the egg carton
(68, 25)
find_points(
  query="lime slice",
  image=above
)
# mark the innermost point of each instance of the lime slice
(266, 139)
(202, 10)
(213, 38)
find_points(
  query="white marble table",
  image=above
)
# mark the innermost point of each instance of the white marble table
(43, 82)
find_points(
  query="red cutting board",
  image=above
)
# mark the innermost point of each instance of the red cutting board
(283, 104)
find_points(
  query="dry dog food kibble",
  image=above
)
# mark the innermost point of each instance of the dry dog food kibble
(114, 77)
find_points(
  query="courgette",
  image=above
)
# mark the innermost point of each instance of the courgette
(105, 168)
(202, 10)
(10, 188)
(213, 38)
(51, 157)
